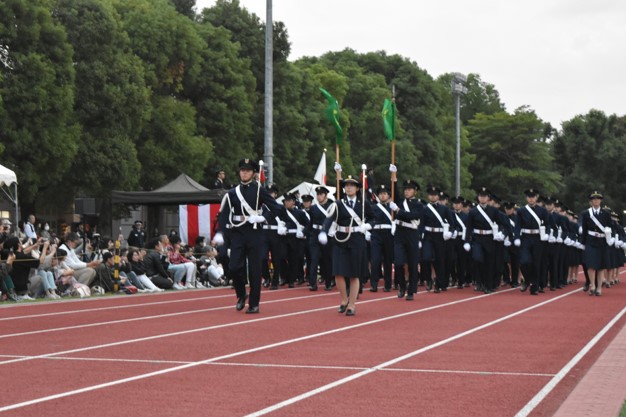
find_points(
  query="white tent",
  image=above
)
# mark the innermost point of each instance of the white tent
(309, 188)
(8, 178)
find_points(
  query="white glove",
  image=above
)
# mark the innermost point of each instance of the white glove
(507, 242)
(581, 246)
(393, 229)
(559, 240)
(551, 239)
(544, 238)
(393, 168)
(219, 239)
(331, 232)
(366, 227)
(517, 243)
(419, 245)
(610, 241)
(299, 234)
(447, 235)
(282, 230)
(499, 237)
(256, 219)
(337, 167)
(454, 234)
(358, 229)
(618, 243)
(568, 241)
(368, 236)
(322, 238)
(393, 206)
(467, 247)
(580, 230)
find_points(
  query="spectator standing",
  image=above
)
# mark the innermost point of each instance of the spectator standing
(137, 236)
(220, 175)
(29, 228)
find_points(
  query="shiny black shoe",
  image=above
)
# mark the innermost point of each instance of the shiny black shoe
(241, 302)
(523, 287)
(409, 297)
(342, 308)
(586, 288)
(273, 288)
(429, 286)
(291, 286)
(351, 312)
(401, 293)
(541, 290)
(374, 289)
(386, 289)
(328, 288)
(314, 288)
(533, 292)
(252, 310)
(437, 290)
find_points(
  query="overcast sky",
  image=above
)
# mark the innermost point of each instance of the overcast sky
(560, 57)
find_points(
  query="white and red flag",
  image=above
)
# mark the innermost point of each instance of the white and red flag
(320, 174)
(197, 220)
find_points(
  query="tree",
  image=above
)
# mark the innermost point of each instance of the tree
(512, 153)
(38, 130)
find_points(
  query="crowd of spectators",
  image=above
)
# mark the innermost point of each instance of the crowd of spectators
(35, 262)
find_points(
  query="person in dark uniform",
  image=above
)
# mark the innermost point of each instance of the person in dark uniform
(512, 252)
(220, 175)
(409, 212)
(483, 222)
(137, 236)
(532, 233)
(555, 248)
(437, 228)
(596, 236)
(274, 229)
(381, 242)
(350, 218)
(321, 255)
(461, 260)
(296, 223)
(241, 214)
(307, 202)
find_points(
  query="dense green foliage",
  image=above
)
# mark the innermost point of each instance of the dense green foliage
(97, 95)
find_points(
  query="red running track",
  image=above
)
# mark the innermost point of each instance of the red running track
(457, 353)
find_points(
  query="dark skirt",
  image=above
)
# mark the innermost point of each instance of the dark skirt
(350, 262)
(597, 257)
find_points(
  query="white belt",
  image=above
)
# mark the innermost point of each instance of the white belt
(595, 234)
(239, 218)
(382, 226)
(530, 231)
(433, 229)
(292, 231)
(270, 227)
(405, 224)
(345, 229)
(483, 232)
(318, 226)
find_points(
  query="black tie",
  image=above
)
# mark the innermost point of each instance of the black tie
(351, 203)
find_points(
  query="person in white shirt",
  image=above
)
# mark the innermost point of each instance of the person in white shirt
(29, 228)
(84, 272)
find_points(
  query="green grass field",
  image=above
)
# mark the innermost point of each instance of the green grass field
(623, 412)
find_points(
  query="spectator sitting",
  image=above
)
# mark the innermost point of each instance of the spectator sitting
(198, 246)
(127, 271)
(22, 266)
(6, 267)
(154, 266)
(105, 273)
(48, 252)
(177, 258)
(63, 274)
(211, 271)
(138, 268)
(44, 231)
(84, 273)
(177, 270)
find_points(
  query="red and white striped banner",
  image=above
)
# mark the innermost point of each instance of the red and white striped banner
(197, 220)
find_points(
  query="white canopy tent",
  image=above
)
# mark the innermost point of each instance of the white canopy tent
(8, 179)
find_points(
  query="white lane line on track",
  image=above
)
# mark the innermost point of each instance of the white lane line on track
(287, 366)
(180, 313)
(218, 358)
(378, 367)
(117, 307)
(547, 389)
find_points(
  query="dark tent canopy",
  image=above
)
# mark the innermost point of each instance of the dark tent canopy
(182, 190)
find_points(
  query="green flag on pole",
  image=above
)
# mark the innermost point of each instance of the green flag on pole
(332, 114)
(389, 119)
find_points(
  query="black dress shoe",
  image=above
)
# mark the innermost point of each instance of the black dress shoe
(292, 286)
(533, 292)
(342, 308)
(437, 290)
(460, 286)
(351, 312)
(523, 287)
(586, 288)
(541, 290)
(598, 293)
(552, 289)
(252, 310)
(266, 284)
(328, 288)
(314, 288)
(444, 288)
(241, 302)
(373, 289)
(401, 293)
(273, 287)
(429, 286)
(386, 289)
(409, 297)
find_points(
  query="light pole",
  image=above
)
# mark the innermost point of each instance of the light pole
(269, 93)
(458, 89)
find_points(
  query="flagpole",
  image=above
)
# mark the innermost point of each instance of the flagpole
(337, 172)
(393, 152)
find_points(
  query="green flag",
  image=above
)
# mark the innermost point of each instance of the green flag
(389, 119)
(332, 114)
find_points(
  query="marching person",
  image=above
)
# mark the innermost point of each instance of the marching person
(273, 231)
(409, 212)
(461, 262)
(596, 237)
(532, 232)
(321, 255)
(349, 222)
(382, 240)
(296, 223)
(241, 215)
